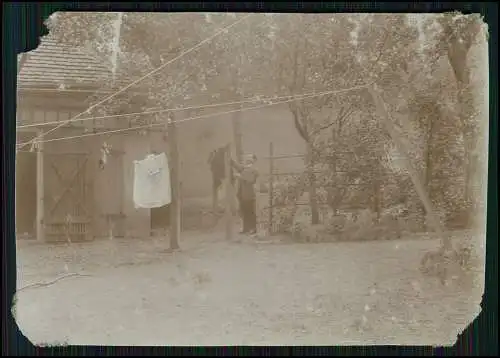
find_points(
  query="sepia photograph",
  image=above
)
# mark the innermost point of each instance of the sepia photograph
(223, 179)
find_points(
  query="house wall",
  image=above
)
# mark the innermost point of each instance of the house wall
(196, 139)
(25, 189)
(102, 189)
(109, 193)
(138, 221)
(40, 107)
(31, 110)
(272, 125)
(63, 184)
(112, 187)
(259, 127)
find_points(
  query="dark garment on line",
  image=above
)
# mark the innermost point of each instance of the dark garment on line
(217, 163)
(249, 216)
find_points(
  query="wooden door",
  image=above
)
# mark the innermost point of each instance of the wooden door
(68, 197)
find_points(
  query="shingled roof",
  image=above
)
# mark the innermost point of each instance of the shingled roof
(55, 65)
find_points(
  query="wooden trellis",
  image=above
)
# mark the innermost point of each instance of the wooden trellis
(273, 174)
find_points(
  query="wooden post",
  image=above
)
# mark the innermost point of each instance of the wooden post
(180, 198)
(271, 186)
(313, 201)
(215, 192)
(428, 162)
(228, 195)
(175, 184)
(236, 121)
(238, 145)
(376, 198)
(335, 183)
(40, 189)
(237, 136)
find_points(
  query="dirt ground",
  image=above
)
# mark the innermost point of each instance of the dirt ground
(243, 292)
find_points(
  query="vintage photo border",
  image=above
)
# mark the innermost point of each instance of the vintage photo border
(22, 27)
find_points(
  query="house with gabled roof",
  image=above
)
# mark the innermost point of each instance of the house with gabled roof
(61, 190)
(56, 66)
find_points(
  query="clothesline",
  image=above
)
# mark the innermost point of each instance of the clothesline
(76, 118)
(142, 127)
(60, 90)
(223, 104)
(223, 30)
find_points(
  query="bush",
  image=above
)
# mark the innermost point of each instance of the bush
(348, 226)
(336, 223)
(311, 233)
(463, 258)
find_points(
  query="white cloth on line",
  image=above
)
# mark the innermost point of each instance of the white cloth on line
(152, 182)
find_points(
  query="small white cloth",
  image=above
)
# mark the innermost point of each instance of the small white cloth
(152, 182)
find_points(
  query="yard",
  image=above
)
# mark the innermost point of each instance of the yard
(242, 292)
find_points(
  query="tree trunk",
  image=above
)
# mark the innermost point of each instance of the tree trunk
(236, 123)
(469, 135)
(237, 136)
(332, 189)
(175, 212)
(428, 161)
(313, 202)
(458, 50)
(417, 182)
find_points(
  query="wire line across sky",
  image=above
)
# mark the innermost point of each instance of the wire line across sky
(222, 30)
(142, 127)
(177, 109)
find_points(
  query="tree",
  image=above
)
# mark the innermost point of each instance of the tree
(422, 64)
(459, 34)
(434, 106)
(147, 41)
(324, 52)
(307, 61)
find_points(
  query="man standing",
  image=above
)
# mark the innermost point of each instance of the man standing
(247, 175)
